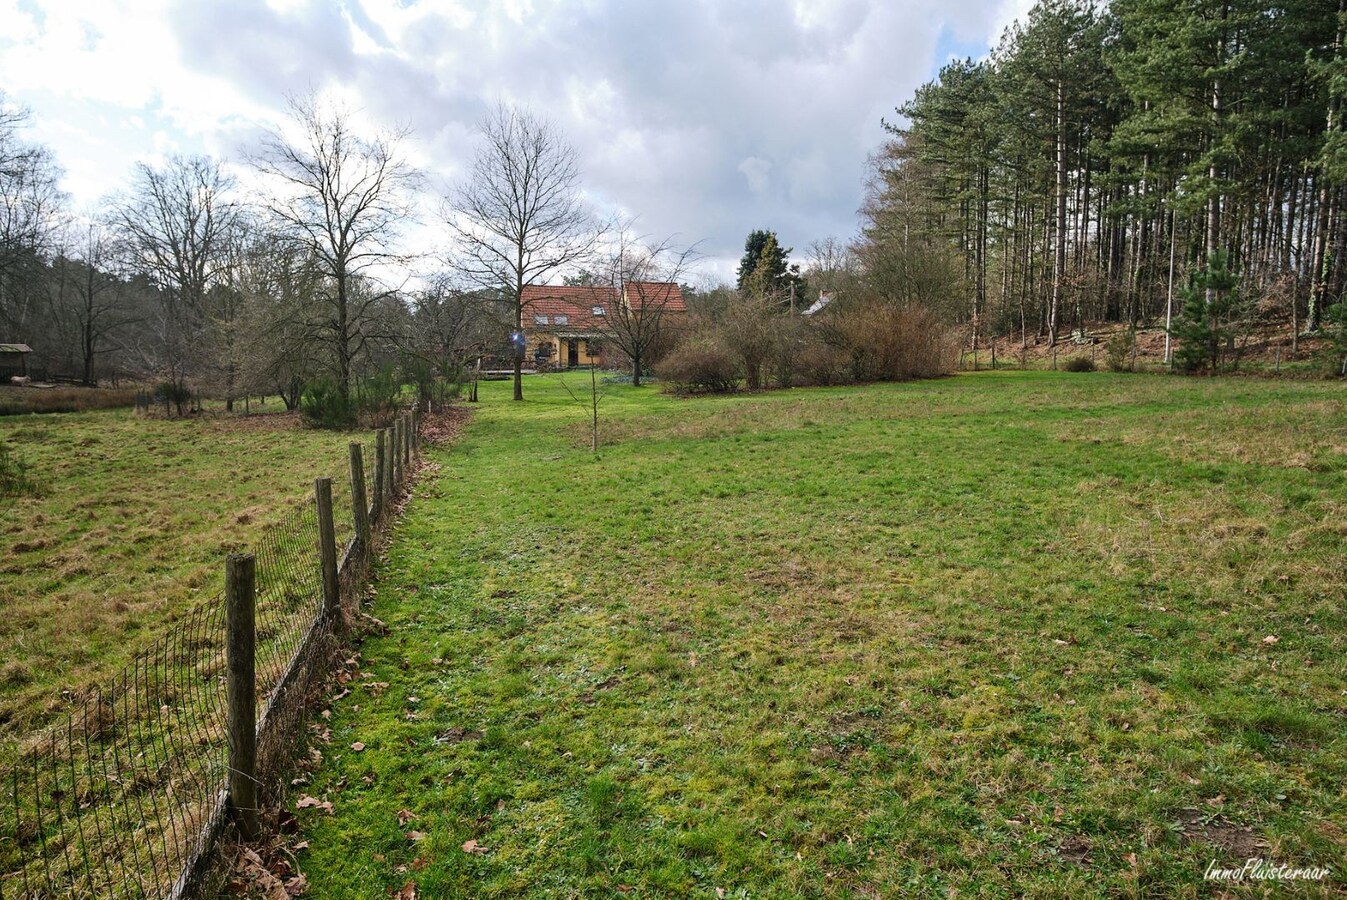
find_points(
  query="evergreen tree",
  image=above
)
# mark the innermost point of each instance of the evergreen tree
(1063, 174)
(766, 263)
(1209, 321)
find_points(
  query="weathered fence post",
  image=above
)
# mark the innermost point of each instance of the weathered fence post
(380, 472)
(327, 548)
(359, 505)
(396, 449)
(407, 443)
(241, 689)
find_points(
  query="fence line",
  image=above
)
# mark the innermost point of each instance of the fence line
(130, 793)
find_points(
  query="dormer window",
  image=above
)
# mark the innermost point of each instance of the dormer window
(540, 320)
(561, 320)
(600, 311)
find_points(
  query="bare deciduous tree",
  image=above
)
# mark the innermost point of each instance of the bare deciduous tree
(644, 278)
(176, 225)
(343, 196)
(520, 218)
(95, 297)
(279, 282)
(30, 206)
(448, 326)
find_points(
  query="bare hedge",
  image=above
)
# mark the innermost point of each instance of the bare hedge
(754, 343)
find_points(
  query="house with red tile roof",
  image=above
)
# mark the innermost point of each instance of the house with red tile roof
(569, 325)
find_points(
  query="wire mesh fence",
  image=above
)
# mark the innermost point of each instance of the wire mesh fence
(128, 795)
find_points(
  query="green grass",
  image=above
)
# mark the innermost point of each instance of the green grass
(131, 520)
(1000, 635)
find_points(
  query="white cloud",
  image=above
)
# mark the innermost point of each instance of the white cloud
(704, 118)
(757, 172)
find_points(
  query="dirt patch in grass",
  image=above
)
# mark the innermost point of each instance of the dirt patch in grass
(457, 735)
(1240, 842)
(1075, 849)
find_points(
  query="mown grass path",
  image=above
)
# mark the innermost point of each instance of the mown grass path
(1024, 634)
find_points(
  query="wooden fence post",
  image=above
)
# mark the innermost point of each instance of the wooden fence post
(241, 690)
(359, 505)
(407, 444)
(396, 450)
(380, 472)
(327, 548)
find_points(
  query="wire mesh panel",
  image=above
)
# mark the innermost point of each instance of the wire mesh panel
(125, 797)
(112, 802)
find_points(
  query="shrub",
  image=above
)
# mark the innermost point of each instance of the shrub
(172, 392)
(746, 332)
(436, 382)
(20, 400)
(377, 397)
(1079, 364)
(892, 342)
(1118, 351)
(819, 364)
(700, 366)
(1336, 316)
(323, 406)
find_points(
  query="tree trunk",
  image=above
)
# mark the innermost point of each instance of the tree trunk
(1059, 260)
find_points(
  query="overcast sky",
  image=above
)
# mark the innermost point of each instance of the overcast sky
(702, 119)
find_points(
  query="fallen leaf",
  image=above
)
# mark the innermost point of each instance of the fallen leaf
(357, 746)
(408, 892)
(307, 802)
(415, 836)
(1271, 639)
(296, 886)
(302, 845)
(471, 846)
(405, 816)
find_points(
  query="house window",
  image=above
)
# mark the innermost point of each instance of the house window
(561, 320)
(600, 311)
(540, 320)
(593, 348)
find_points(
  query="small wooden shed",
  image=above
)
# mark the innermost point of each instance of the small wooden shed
(13, 360)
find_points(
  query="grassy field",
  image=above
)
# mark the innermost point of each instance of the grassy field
(998, 635)
(132, 520)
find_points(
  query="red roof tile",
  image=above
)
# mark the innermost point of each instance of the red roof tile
(578, 302)
(575, 302)
(657, 293)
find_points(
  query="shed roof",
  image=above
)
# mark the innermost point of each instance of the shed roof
(15, 348)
